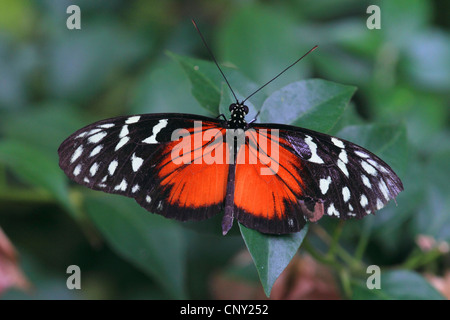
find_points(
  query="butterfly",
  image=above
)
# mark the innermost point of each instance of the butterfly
(273, 178)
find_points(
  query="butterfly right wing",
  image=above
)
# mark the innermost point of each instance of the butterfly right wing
(137, 156)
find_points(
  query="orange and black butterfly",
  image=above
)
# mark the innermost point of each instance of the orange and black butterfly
(270, 177)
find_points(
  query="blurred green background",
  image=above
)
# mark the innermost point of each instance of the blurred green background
(54, 81)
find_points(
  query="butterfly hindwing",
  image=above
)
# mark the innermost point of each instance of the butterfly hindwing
(132, 156)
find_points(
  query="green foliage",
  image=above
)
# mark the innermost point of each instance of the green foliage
(138, 57)
(150, 242)
(398, 285)
(314, 104)
(271, 253)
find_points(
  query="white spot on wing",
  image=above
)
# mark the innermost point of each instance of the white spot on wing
(343, 156)
(96, 138)
(368, 168)
(377, 165)
(112, 167)
(77, 170)
(379, 204)
(96, 150)
(121, 143)
(81, 135)
(124, 132)
(76, 154)
(337, 142)
(148, 199)
(345, 194)
(156, 129)
(136, 162)
(122, 186)
(384, 189)
(324, 184)
(373, 163)
(106, 125)
(93, 131)
(364, 202)
(313, 148)
(133, 119)
(93, 169)
(332, 211)
(135, 188)
(361, 154)
(366, 181)
(343, 167)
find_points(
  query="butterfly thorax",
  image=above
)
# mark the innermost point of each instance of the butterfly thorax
(238, 113)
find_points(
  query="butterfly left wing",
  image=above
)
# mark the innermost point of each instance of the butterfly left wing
(136, 156)
(308, 174)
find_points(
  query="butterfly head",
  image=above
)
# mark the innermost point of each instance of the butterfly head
(238, 113)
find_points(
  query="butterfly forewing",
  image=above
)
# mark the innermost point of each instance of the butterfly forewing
(349, 180)
(133, 156)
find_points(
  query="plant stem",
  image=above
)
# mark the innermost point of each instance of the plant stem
(335, 240)
(320, 257)
(25, 195)
(364, 239)
(420, 258)
(345, 282)
(336, 249)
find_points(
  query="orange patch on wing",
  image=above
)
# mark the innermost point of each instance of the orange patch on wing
(263, 187)
(187, 169)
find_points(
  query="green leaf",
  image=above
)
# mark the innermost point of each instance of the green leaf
(402, 20)
(261, 43)
(271, 253)
(431, 74)
(433, 215)
(47, 125)
(92, 66)
(206, 82)
(226, 98)
(164, 88)
(397, 285)
(36, 168)
(149, 241)
(314, 104)
(204, 88)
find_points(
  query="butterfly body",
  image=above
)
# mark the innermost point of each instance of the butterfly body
(270, 177)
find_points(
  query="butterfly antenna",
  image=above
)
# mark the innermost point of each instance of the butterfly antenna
(314, 48)
(214, 59)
